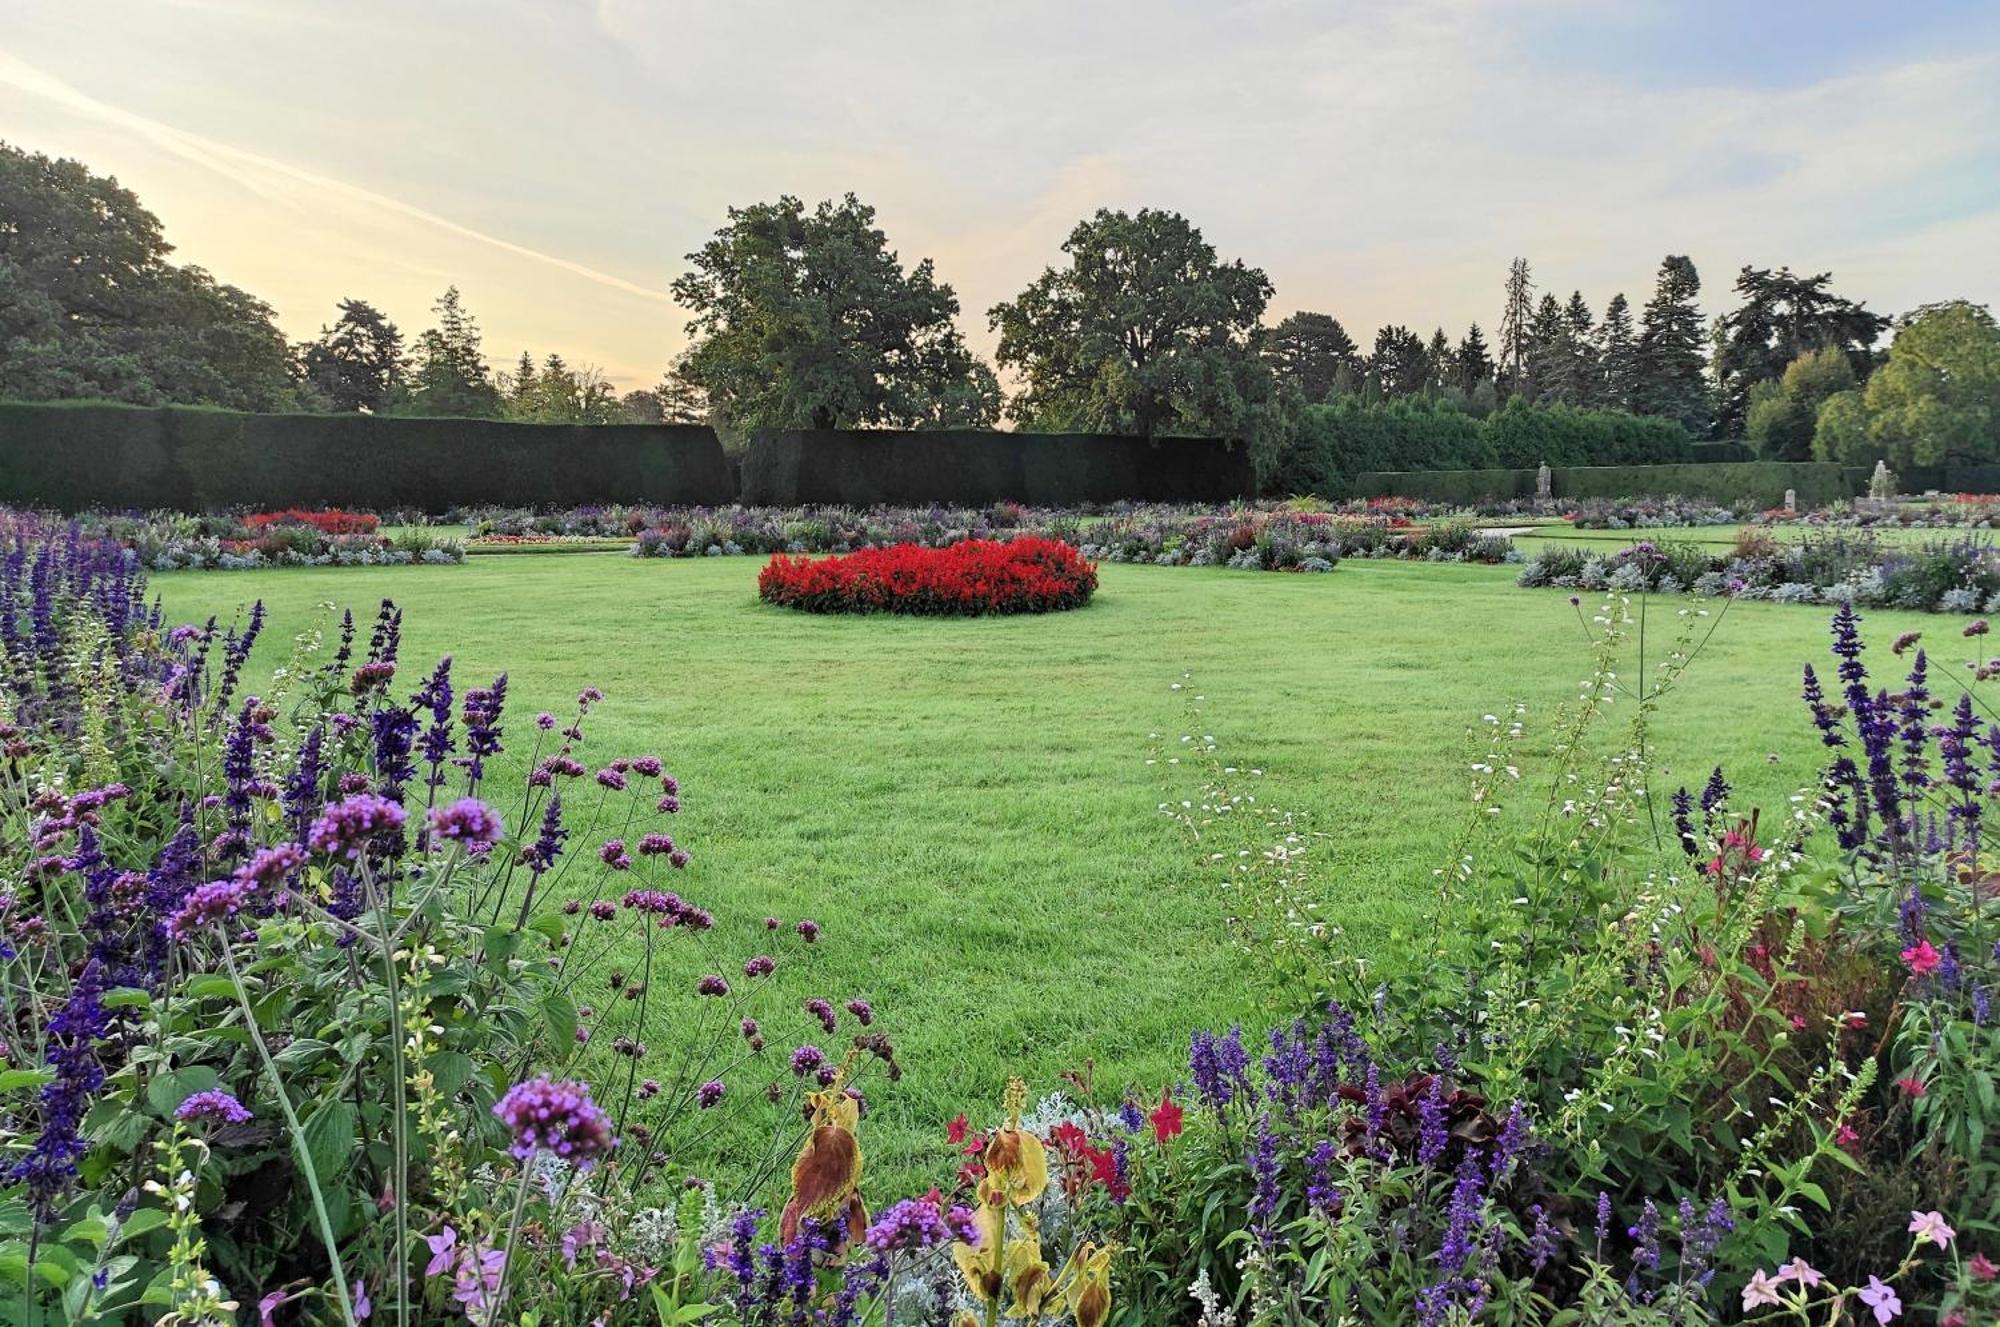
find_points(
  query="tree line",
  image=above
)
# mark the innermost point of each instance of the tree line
(804, 317)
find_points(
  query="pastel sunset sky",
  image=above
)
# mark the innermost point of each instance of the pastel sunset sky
(1381, 161)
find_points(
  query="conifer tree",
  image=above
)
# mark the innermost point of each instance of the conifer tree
(1670, 362)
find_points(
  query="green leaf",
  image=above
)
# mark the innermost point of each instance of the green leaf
(559, 1011)
(329, 1139)
(143, 1221)
(126, 997)
(210, 986)
(167, 1091)
(13, 1078)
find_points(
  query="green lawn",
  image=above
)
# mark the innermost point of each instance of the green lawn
(967, 804)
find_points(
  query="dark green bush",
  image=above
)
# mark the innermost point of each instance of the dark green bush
(1761, 483)
(77, 456)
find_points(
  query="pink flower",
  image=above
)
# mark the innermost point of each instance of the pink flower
(444, 1251)
(1882, 1299)
(1929, 1227)
(1798, 1269)
(1922, 957)
(1911, 1087)
(1761, 1292)
(1981, 1267)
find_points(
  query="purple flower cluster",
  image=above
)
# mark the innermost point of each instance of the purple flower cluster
(555, 1116)
(469, 822)
(347, 828)
(215, 1105)
(916, 1224)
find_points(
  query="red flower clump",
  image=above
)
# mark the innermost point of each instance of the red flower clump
(333, 521)
(972, 577)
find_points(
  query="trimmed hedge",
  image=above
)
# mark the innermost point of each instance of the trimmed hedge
(870, 467)
(1332, 443)
(76, 456)
(1762, 483)
(1714, 453)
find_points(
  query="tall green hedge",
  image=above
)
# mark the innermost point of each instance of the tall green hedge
(73, 456)
(1762, 483)
(1333, 443)
(863, 467)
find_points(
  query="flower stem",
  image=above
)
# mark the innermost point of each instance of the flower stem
(297, 1131)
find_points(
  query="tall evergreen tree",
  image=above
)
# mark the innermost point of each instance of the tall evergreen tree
(451, 379)
(1549, 354)
(1307, 351)
(1399, 366)
(1617, 355)
(1515, 316)
(1670, 378)
(1437, 358)
(1471, 363)
(358, 363)
(1583, 379)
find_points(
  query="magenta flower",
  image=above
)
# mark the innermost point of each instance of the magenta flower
(271, 865)
(346, 827)
(213, 1104)
(1922, 958)
(546, 1115)
(709, 1093)
(216, 901)
(469, 822)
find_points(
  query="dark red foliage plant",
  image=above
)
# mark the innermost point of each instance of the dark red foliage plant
(969, 578)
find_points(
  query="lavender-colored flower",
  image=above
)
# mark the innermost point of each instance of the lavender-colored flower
(808, 1059)
(710, 1093)
(1322, 1194)
(714, 985)
(216, 901)
(468, 822)
(864, 1013)
(349, 826)
(272, 866)
(547, 1115)
(214, 1104)
(1267, 1171)
(913, 1225)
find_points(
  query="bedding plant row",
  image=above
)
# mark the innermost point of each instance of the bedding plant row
(1942, 575)
(971, 578)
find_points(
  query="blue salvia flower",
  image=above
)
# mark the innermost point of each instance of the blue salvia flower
(1219, 1066)
(1267, 1171)
(48, 1166)
(1322, 1194)
(483, 707)
(1431, 1136)
(437, 743)
(235, 652)
(1684, 821)
(1714, 795)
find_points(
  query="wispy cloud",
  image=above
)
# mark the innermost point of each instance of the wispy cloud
(258, 174)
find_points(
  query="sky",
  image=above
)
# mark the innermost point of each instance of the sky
(1381, 160)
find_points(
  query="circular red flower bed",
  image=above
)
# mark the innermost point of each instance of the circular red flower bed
(969, 578)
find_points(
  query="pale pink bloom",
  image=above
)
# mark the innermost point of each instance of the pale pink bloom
(1930, 1227)
(1761, 1292)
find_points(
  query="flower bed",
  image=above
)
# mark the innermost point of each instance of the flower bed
(968, 579)
(332, 521)
(1943, 576)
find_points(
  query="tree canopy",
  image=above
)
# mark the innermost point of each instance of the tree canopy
(1308, 351)
(90, 306)
(1143, 330)
(1934, 401)
(809, 320)
(1783, 317)
(451, 378)
(358, 363)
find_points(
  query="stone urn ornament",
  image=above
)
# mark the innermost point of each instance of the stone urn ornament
(1791, 499)
(1542, 478)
